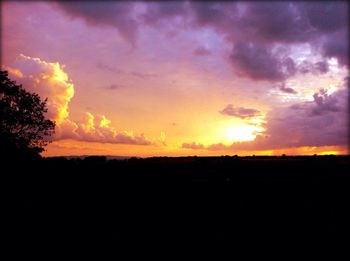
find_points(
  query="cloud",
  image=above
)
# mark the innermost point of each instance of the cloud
(317, 68)
(108, 68)
(275, 22)
(325, 103)
(217, 146)
(193, 145)
(201, 51)
(322, 67)
(199, 146)
(321, 24)
(259, 63)
(162, 138)
(271, 22)
(98, 129)
(50, 81)
(115, 14)
(321, 122)
(46, 79)
(240, 112)
(115, 70)
(216, 15)
(326, 16)
(286, 89)
(336, 45)
(324, 25)
(113, 87)
(143, 75)
(264, 23)
(166, 10)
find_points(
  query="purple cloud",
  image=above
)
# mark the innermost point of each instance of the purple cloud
(165, 10)
(326, 16)
(116, 14)
(216, 15)
(116, 70)
(259, 63)
(109, 68)
(201, 51)
(286, 89)
(321, 24)
(239, 112)
(337, 46)
(275, 22)
(314, 68)
(322, 67)
(325, 103)
(318, 123)
(322, 122)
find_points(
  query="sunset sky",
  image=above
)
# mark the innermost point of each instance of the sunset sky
(186, 77)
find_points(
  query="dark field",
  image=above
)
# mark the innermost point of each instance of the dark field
(187, 199)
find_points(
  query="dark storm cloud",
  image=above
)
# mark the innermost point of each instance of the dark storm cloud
(259, 63)
(240, 112)
(286, 22)
(321, 24)
(217, 15)
(105, 13)
(326, 16)
(274, 22)
(337, 46)
(164, 11)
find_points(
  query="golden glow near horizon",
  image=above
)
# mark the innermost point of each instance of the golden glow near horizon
(232, 130)
(330, 152)
(240, 133)
(76, 148)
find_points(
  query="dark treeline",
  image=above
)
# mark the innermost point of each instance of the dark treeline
(188, 199)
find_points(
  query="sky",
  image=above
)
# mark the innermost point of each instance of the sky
(186, 77)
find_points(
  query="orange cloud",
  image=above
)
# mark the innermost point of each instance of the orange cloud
(50, 81)
(97, 129)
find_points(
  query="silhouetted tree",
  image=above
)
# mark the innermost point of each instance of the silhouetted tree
(24, 130)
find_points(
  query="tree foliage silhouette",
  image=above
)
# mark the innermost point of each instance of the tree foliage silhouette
(24, 130)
